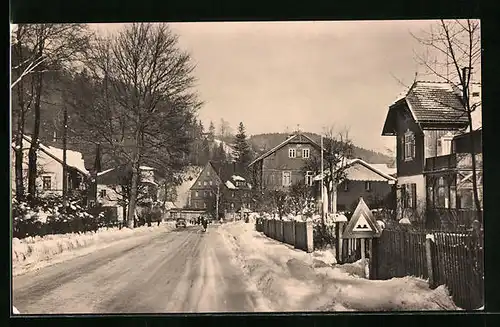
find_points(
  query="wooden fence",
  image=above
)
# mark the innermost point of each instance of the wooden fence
(296, 233)
(451, 259)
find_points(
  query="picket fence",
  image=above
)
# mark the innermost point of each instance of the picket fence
(451, 259)
(296, 233)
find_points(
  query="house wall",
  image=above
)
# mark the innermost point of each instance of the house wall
(433, 144)
(275, 164)
(406, 122)
(111, 199)
(348, 200)
(47, 166)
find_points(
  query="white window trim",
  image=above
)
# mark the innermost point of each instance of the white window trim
(43, 182)
(309, 178)
(409, 146)
(292, 151)
(304, 151)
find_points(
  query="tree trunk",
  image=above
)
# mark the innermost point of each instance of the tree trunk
(334, 198)
(32, 153)
(19, 153)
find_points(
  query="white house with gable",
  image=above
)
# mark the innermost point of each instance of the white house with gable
(50, 169)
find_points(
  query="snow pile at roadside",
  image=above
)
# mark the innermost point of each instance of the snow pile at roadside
(31, 250)
(292, 280)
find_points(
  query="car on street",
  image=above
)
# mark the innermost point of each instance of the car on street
(180, 223)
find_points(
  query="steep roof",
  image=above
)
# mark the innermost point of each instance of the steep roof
(356, 174)
(74, 159)
(282, 144)
(430, 102)
(228, 172)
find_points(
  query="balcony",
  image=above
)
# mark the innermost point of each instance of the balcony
(452, 161)
(445, 162)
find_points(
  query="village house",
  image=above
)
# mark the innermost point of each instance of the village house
(283, 165)
(49, 179)
(428, 122)
(220, 181)
(374, 182)
(110, 193)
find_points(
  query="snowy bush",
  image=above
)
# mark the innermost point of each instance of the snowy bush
(42, 216)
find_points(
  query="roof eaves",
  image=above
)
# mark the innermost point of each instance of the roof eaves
(266, 154)
(28, 139)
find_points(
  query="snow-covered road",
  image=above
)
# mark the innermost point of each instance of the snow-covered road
(230, 268)
(180, 271)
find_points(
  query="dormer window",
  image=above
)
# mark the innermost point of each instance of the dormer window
(409, 146)
(292, 153)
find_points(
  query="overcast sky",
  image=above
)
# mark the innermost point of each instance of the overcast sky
(275, 75)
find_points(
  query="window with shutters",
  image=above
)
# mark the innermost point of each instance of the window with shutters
(409, 194)
(409, 146)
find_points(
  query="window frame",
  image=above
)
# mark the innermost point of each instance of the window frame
(309, 178)
(292, 151)
(289, 174)
(44, 180)
(408, 146)
(304, 151)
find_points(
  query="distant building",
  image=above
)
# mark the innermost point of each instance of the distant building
(110, 191)
(223, 182)
(50, 169)
(283, 165)
(373, 182)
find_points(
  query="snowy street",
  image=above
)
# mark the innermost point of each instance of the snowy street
(184, 270)
(230, 268)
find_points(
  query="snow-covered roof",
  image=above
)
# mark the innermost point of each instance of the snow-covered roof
(237, 178)
(170, 205)
(73, 158)
(230, 185)
(105, 171)
(146, 168)
(353, 172)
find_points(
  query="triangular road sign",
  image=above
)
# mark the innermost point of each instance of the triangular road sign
(362, 223)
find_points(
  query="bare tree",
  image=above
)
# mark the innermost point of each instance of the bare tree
(41, 48)
(138, 99)
(300, 197)
(453, 53)
(338, 149)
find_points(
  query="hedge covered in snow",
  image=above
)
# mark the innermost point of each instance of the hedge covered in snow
(43, 216)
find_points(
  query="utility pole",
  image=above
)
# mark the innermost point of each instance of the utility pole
(65, 166)
(217, 199)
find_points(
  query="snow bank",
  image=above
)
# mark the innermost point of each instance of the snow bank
(30, 251)
(292, 280)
